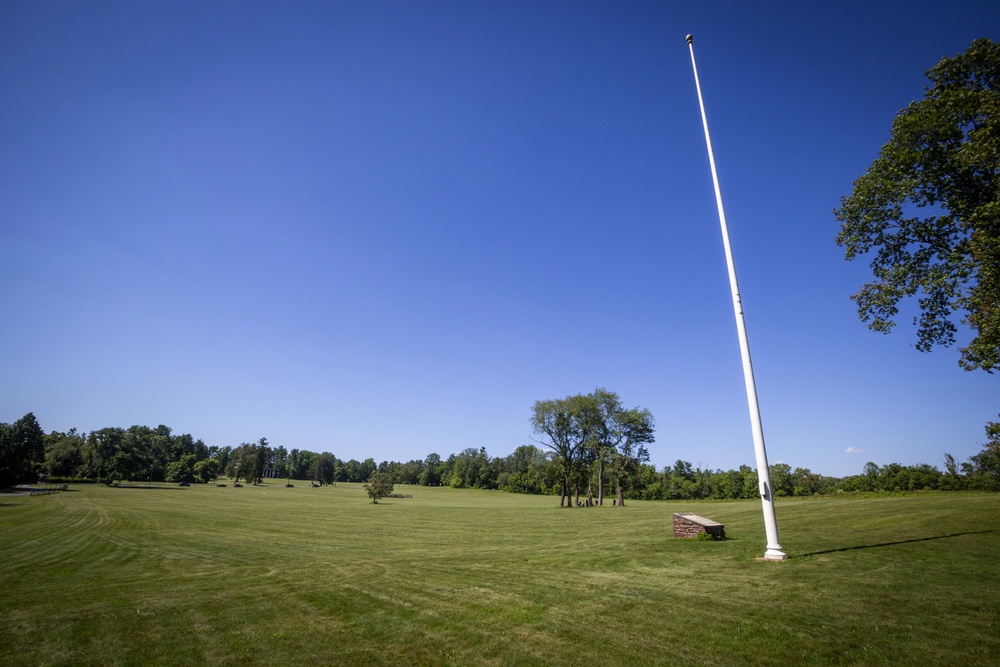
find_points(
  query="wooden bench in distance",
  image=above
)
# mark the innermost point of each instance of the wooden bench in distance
(690, 525)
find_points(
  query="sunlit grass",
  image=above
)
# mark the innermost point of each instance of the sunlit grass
(260, 575)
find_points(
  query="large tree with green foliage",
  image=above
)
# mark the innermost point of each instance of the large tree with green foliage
(22, 451)
(471, 470)
(207, 470)
(604, 441)
(323, 468)
(983, 469)
(182, 470)
(927, 211)
(431, 473)
(567, 426)
(260, 461)
(631, 431)
(585, 428)
(65, 453)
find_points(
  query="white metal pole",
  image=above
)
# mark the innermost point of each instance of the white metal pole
(773, 551)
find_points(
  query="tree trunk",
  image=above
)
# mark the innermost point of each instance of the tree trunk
(621, 494)
(600, 482)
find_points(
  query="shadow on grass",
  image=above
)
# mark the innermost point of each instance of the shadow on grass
(892, 544)
(144, 486)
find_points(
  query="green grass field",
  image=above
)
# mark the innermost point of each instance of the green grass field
(269, 575)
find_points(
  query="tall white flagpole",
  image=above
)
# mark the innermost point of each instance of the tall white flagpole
(773, 551)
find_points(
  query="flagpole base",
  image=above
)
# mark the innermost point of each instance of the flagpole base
(775, 553)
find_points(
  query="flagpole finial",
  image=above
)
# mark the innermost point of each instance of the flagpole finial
(690, 39)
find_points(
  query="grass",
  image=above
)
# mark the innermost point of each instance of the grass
(266, 575)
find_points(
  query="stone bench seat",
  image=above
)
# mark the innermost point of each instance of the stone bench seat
(687, 524)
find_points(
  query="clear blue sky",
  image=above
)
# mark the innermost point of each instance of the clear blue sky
(384, 229)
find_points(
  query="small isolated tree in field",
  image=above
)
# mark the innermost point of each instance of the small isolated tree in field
(379, 485)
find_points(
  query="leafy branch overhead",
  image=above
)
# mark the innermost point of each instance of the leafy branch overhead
(928, 211)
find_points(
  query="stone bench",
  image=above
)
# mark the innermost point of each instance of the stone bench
(690, 525)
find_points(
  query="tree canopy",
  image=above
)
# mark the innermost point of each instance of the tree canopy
(630, 432)
(586, 428)
(22, 451)
(928, 211)
(568, 425)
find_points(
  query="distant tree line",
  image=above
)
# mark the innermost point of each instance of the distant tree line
(142, 453)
